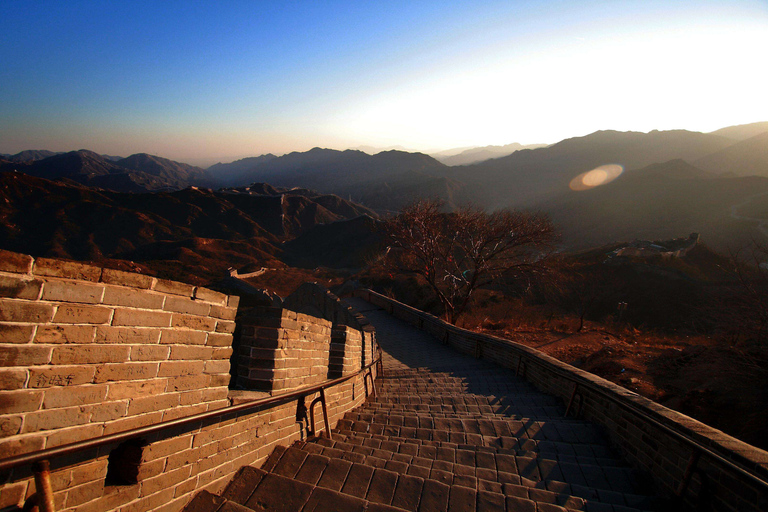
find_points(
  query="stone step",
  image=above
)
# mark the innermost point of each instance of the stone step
(544, 450)
(513, 435)
(256, 490)
(484, 464)
(309, 461)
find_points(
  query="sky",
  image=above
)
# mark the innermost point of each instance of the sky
(202, 82)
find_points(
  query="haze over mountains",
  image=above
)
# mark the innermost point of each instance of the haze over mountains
(674, 182)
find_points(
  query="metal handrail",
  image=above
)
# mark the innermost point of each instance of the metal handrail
(696, 445)
(68, 449)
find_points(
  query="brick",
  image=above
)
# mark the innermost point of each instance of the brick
(135, 317)
(130, 423)
(89, 354)
(211, 394)
(13, 310)
(224, 313)
(174, 287)
(217, 366)
(153, 403)
(125, 371)
(127, 335)
(12, 378)
(233, 301)
(71, 435)
(132, 279)
(128, 297)
(199, 323)
(183, 337)
(122, 390)
(69, 314)
(149, 353)
(73, 291)
(15, 262)
(20, 287)
(65, 334)
(67, 269)
(24, 355)
(185, 305)
(210, 296)
(191, 397)
(225, 326)
(53, 419)
(12, 333)
(219, 340)
(19, 445)
(180, 368)
(9, 426)
(194, 352)
(222, 353)
(187, 383)
(160, 482)
(20, 401)
(73, 395)
(108, 411)
(60, 376)
(13, 493)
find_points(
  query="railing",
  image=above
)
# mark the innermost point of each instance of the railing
(40, 460)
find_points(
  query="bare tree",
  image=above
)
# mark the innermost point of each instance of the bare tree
(456, 253)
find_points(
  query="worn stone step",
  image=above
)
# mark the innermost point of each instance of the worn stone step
(257, 490)
(498, 409)
(556, 429)
(500, 467)
(359, 472)
(459, 437)
(562, 452)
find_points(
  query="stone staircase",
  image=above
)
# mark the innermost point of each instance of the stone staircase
(445, 433)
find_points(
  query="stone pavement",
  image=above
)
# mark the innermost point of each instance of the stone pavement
(445, 433)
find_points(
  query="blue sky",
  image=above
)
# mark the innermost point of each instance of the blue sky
(209, 81)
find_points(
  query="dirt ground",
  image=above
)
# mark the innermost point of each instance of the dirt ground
(696, 375)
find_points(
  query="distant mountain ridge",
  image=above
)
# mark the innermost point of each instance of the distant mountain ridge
(480, 154)
(137, 173)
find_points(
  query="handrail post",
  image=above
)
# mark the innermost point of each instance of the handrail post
(325, 413)
(688, 473)
(573, 395)
(43, 489)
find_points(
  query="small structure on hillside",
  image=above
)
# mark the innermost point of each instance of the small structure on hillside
(675, 248)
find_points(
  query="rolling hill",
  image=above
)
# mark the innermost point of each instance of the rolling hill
(664, 201)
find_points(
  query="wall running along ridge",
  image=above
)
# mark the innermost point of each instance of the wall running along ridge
(646, 446)
(86, 351)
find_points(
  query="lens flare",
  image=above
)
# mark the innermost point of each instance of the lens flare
(596, 177)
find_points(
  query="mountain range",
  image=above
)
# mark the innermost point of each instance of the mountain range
(193, 233)
(663, 171)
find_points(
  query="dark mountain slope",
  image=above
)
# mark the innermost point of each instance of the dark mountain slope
(228, 172)
(137, 173)
(659, 202)
(30, 155)
(341, 244)
(178, 174)
(528, 177)
(191, 232)
(746, 158)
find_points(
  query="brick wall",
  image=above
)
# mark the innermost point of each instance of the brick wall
(86, 351)
(629, 418)
(312, 338)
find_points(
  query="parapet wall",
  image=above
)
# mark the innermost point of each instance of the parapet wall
(312, 338)
(86, 351)
(632, 421)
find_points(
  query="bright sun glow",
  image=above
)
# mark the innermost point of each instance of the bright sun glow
(596, 177)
